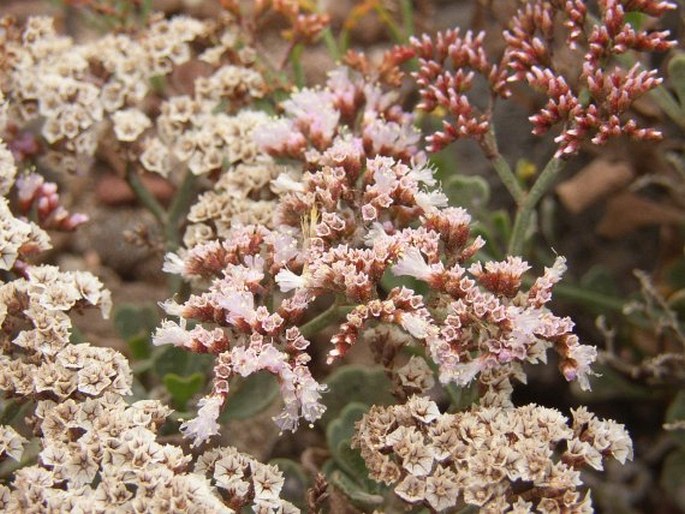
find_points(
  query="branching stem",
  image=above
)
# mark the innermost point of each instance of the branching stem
(526, 208)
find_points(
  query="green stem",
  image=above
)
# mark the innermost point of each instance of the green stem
(331, 44)
(334, 313)
(387, 20)
(169, 220)
(178, 210)
(526, 209)
(296, 60)
(504, 171)
(144, 195)
(407, 10)
(11, 409)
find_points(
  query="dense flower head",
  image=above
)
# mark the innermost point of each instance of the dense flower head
(353, 211)
(79, 94)
(481, 456)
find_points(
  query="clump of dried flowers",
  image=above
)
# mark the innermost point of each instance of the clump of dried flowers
(345, 215)
(97, 453)
(501, 459)
(314, 208)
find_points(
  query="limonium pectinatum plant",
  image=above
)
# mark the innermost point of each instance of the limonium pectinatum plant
(316, 257)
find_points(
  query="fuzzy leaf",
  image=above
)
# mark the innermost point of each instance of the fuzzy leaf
(673, 477)
(676, 73)
(253, 394)
(355, 384)
(296, 481)
(340, 431)
(470, 192)
(131, 320)
(182, 389)
(352, 490)
(181, 362)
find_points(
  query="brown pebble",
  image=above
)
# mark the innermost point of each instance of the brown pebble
(113, 190)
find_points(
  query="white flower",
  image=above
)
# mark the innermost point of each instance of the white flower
(284, 183)
(415, 325)
(171, 333)
(462, 373)
(583, 355)
(412, 264)
(277, 134)
(287, 280)
(240, 305)
(423, 174)
(155, 157)
(384, 177)
(11, 443)
(268, 482)
(430, 201)
(244, 360)
(129, 124)
(285, 246)
(204, 425)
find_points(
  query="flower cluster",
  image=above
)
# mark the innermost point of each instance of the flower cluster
(611, 91)
(81, 92)
(97, 452)
(447, 68)
(524, 460)
(102, 454)
(328, 216)
(449, 61)
(34, 193)
(342, 221)
(192, 133)
(73, 88)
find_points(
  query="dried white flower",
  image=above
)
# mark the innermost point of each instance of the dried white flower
(129, 124)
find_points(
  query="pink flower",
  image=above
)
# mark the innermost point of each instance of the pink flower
(239, 306)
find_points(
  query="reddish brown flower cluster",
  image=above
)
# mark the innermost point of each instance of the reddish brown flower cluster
(304, 27)
(447, 67)
(449, 61)
(611, 91)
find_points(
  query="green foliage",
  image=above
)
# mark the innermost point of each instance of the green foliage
(600, 280)
(610, 384)
(296, 482)
(182, 389)
(182, 373)
(135, 323)
(179, 361)
(346, 470)
(673, 477)
(469, 191)
(352, 490)
(676, 73)
(250, 396)
(348, 384)
(390, 281)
